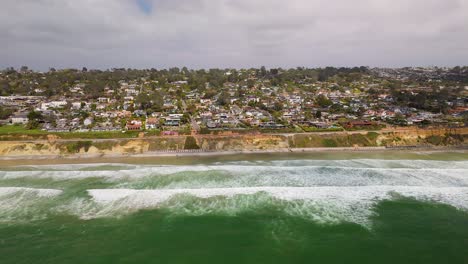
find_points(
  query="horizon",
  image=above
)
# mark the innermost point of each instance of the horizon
(233, 34)
(49, 69)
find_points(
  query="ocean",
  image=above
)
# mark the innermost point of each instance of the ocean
(389, 207)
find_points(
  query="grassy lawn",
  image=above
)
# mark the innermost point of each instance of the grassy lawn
(98, 135)
(20, 130)
(13, 133)
(314, 129)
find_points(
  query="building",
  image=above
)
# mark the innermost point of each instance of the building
(152, 123)
(88, 121)
(21, 118)
(53, 104)
(133, 125)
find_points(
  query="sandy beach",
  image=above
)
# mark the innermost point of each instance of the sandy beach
(165, 156)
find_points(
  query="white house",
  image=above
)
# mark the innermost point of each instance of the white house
(21, 118)
(53, 104)
(88, 121)
(76, 105)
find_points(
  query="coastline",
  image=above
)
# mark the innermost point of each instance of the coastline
(8, 160)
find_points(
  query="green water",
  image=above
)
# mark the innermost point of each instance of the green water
(423, 219)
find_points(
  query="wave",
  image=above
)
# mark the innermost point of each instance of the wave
(24, 204)
(148, 177)
(321, 204)
(326, 191)
(43, 193)
(354, 163)
(325, 205)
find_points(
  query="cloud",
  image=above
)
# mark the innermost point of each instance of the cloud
(232, 33)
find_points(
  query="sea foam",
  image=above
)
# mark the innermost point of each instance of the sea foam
(325, 191)
(24, 204)
(298, 173)
(322, 204)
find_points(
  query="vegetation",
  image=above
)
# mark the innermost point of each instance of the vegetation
(329, 143)
(238, 100)
(75, 147)
(5, 112)
(191, 143)
(314, 129)
(34, 120)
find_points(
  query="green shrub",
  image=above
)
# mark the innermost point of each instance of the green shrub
(75, 147)
(372, 135)
(108, 145)
(191, 143)
(434, 140)
(329, 143)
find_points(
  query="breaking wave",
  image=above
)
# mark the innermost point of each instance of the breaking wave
(322, 204)
(17, 204)
(325, 191)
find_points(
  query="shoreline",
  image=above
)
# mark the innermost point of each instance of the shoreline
(95, 158)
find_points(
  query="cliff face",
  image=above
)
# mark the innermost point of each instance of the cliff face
(54, 146)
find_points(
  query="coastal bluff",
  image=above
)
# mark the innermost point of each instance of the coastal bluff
(55, 146)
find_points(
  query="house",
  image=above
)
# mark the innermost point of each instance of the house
(124, 114)
(139, 113)
(132, 91)
(133, 125)
(76, 105)
(53, 104)
(75, 122)
(211, 124)
(88, 121)
(173, 120)
(152, 123)
(20, 118)
(103, 100)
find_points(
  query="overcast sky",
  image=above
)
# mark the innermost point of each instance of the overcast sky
(232, 33)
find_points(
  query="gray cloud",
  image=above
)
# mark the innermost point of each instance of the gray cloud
(233, 33)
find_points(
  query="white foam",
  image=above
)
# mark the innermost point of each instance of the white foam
(349, 163)
(6, 191)
(325, 191)
(248, 176)
(322, 204)
(456, 196)
(23, 204)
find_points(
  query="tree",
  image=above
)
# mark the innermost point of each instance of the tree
(33, 115)
(34, 119)
(323, 101)
(318, 114)
(144, 100)
(263, 71)
(5, 112)
(250, 83)
(278, 106)
(223, 99)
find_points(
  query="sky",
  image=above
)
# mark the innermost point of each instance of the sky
(104, 34)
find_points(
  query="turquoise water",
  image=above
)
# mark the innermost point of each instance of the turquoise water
(248, 209)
